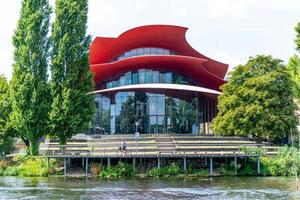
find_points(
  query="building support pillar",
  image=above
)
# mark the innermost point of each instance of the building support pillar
(258, 165)
(108, 163)
(158, 162)
(210, 166)
(184, 163)
(235, 165)
(133, 163)
(82, 162)
(65, 167)
(205, 161)
(86, 166)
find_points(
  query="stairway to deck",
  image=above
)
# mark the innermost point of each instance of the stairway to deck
(154, 145)
(165, 144)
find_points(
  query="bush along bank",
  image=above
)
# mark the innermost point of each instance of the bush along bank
(27, 166)
(285, 163)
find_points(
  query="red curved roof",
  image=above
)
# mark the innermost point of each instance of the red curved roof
(191, 63)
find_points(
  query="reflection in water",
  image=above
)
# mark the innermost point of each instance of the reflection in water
(211, 188)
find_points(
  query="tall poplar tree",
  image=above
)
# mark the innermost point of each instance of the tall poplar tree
(29, 91)
(73, 107)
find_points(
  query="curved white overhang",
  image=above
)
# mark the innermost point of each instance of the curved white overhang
(159, 86)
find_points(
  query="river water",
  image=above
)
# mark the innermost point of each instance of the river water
(147, 189)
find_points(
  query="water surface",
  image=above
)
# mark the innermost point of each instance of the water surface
(148, 189)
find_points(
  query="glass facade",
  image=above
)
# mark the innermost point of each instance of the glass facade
(150, 113)
(143, 76)
(147, 51)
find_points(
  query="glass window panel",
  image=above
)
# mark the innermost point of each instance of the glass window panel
(153, 120)
(149, 76)
(115, 84)
(166, 52)
(153, 51)
(161, 77)
(122, 81)
(147, 51)
(127, 54)
(134, 52)
(160, 51)
(134, 78)
(152, 105)
(142, 76)
(160, 120)
(168, 78)
(140, 51)
(112, 109)
(128, 78)
(155, 75)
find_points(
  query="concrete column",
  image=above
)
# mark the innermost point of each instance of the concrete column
(69, 161)
(235, 165)
(133, 163)
(184, 163)
(158, 162)
(210, 166)
(108, 162)
(205, 161)
(86, 166)
(258, 165)
(65, 167)
(82, 162)
(101, 161)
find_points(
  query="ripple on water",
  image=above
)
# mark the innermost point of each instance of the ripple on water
(17, 188)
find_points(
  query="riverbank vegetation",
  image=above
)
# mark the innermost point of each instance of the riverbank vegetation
(28, 166)
(285, 163)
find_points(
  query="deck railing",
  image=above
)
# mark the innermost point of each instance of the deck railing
(139, 149)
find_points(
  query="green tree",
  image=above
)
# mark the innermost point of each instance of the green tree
(29, 89)
(257, 100)
(297, 40)
(293, 68)
(6, 140)
(72, 108)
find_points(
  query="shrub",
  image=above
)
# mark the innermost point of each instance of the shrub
(120, 170)
(200, 173)
(95, 169)
(247, 170)
(168, 171)
(1, 171)
(33, 166)
(11, 171)
(285, 163)
(3, 164)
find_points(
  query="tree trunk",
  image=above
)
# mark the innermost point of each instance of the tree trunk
(33, 147)
(26, 142)
(62, 140)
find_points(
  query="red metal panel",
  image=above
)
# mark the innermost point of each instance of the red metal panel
(103, 50)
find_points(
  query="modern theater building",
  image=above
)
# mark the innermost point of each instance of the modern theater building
(150, 80)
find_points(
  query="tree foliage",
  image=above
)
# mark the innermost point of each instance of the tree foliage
(72, 108)
(6, 139)
(29, 90)
(293, 68)
(257, 100)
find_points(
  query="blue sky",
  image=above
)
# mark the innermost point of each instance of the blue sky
(226, 30)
